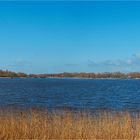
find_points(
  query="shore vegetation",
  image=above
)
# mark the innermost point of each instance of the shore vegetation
(69, 125)
(105, 75)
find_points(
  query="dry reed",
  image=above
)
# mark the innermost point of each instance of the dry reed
(68, 125)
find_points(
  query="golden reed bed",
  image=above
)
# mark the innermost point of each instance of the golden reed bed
(68, 125)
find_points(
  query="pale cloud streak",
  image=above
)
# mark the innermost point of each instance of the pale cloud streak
(128, 65)
(19, 63)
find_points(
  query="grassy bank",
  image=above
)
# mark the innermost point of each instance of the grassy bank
(67, 125)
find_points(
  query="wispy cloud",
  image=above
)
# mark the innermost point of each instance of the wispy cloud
(21, 63)
(71, 64)
(17, 64)
(131, 64)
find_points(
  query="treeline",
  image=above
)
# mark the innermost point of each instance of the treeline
(12, 74)
(120, 75)
(92, 75)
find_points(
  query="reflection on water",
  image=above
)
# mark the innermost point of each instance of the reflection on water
(71, 93)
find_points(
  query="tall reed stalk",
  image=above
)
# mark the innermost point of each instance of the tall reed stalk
(69, 125)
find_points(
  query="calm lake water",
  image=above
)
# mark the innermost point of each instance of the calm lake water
(71, 93)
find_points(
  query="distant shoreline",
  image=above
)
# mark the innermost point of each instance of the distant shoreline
(74, 75)
(70, 78)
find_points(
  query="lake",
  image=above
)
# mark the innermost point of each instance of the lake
(55, 93)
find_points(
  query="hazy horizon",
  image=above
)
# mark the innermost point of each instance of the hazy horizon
(56, 37)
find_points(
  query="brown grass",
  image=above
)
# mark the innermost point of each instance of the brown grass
(67, 125)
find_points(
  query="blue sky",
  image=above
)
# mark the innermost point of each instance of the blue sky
(53, 37)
